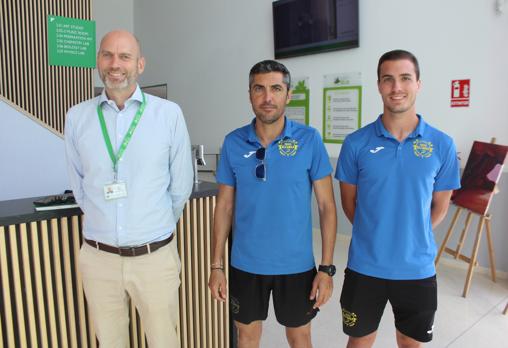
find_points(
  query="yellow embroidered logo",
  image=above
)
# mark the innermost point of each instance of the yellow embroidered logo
(422, 148)
(349, 318)
(288, 147)
(234, 305)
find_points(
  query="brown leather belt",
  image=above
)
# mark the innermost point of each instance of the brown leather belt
(130, 251)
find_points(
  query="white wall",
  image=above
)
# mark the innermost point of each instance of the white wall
(32, 157)
(110, 15)
(204, 50)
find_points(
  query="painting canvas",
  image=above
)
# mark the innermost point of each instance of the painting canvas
(483, 170)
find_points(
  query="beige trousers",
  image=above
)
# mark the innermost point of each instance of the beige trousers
(151, 281)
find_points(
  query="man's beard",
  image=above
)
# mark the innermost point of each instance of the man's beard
(266, 118)
(123, 84)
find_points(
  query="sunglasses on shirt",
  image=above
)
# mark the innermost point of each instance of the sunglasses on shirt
(261, 167)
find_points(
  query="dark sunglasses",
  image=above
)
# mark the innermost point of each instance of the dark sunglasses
(261, 167)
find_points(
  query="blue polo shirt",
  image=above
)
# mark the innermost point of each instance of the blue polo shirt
(392, 231)
(272, 219)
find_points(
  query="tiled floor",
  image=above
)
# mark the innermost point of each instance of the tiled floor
(473, 322)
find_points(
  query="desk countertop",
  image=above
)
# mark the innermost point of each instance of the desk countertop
(22, 210)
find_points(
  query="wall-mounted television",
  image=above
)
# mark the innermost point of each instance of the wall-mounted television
(303, 27)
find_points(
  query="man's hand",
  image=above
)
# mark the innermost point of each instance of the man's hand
(218, 285)
(322, 288)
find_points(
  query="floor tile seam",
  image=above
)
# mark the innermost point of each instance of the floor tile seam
(477, 321)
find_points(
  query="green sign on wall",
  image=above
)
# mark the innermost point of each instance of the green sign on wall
(71, 42)
(298, 108)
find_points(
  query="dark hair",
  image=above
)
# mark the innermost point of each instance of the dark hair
(398, 55)
(267, 66)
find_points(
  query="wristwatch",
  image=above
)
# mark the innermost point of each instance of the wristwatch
(330, 269)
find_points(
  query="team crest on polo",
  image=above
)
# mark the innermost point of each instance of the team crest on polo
(288, 147)
(422, 148)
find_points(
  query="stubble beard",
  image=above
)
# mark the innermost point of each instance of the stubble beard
(267, 119)
(400, 109)
(121, 85)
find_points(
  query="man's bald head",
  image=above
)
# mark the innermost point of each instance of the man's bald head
(124, 35)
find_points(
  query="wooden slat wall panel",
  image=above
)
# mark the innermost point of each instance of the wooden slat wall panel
(204, 323)
(7, 310)
(26, 80)
(42, 303)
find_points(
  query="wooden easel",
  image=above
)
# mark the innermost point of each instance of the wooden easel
(484, 220)
(473, 260)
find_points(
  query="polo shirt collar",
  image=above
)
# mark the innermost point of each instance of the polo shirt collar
(419, 130)
(136, 96)
(380, 128)
(287, 132)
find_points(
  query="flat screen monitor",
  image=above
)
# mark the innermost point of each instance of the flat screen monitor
(303, 27)
(160, 91)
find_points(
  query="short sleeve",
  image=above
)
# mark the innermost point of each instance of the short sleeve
(225, 174)
(347, 166)
(320, 166)
(448, 176)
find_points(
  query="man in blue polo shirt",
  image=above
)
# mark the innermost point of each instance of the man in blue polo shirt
(396, 178)
(266, 174)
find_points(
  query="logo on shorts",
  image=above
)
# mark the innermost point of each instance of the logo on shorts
(422, 148)
(312, 311)
(288, 147)
(235, 305)
(431, 330)
(349, 318)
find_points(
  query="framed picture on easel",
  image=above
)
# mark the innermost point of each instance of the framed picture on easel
(483, 170)
(478, 185)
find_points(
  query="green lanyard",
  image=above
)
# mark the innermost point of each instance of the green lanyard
(126, 139)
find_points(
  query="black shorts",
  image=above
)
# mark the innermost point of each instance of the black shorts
(249, 297)
(363, 299)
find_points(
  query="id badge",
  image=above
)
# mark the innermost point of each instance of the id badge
(115, 190)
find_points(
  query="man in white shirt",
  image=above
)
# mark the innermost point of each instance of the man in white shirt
(129, 163)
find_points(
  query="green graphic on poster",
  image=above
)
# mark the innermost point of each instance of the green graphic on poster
(298, 108)
(71, 42)
(342, 106)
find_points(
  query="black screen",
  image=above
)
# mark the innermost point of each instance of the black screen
(310, 26)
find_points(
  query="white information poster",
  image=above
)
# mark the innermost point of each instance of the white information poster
(342, 106)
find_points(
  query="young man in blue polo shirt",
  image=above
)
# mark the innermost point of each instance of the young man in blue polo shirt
(396, 178)
(266, 174)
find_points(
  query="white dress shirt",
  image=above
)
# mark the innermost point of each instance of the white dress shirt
(156, 167)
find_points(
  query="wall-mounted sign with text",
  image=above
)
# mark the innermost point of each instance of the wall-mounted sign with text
(460, 93)
(71, 42)
(298, 108)
(342, 106)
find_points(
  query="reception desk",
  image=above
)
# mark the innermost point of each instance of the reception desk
(41, 299)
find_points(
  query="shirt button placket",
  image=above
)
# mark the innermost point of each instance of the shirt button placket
(399, 150)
